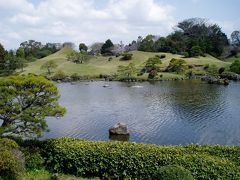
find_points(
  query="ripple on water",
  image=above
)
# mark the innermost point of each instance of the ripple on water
(162, 113)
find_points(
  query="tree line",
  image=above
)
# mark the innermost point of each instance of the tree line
(28, 51)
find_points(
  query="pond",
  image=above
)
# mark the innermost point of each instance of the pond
(166, 113)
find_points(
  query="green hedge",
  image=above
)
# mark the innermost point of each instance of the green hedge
(172, 172)
(120, 160)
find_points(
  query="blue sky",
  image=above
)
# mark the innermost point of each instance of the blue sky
(97, 20)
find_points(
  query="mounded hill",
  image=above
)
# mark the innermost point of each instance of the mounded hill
(101, 65)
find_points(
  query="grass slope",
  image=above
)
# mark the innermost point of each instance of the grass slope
(100, 64)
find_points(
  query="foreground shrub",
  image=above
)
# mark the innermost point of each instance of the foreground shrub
(119, 160)
(11, 160)
(172, 172)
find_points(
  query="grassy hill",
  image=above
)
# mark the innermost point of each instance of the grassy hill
(100, 64)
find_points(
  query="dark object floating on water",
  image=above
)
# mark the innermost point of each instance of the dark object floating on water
(119, 129)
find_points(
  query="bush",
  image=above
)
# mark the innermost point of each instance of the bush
(235, 67)
(59, 75)
(152, 74)
(33, 158)
(195, 51)
(173, 172)
(11, 160)
(177, 65)
(126, 57)
(120, 160)
(110, 59)
(212, 69)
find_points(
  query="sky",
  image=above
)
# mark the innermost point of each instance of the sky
(92, 21)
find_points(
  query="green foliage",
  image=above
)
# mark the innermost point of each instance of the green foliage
(20, 53)
(78, 57)
(42, 53)
(127, 72)
(107, 47)
(195, 36)
(177, 65)
(212, 69)
(59, 75)
(25, 101)
(10, 63)
(147, 44)
(152, 66)
(49, 65)
(33, 159)
(126, 56)
(152, 63)
(11, 160)
(83, 47)
(195, 51)
(35, 50)
(21, 63)
(2, 59)
(122, 160)
(2, 52)
(235, 67)
(186, 55)
(173, 172)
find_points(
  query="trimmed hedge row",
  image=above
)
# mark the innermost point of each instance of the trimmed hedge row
(121, 160)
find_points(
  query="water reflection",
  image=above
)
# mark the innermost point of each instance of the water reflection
(119, 137)
(179, 112)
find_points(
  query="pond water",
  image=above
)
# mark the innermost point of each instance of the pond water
(166, 113)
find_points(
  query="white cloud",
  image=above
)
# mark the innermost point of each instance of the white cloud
(80, 20)
(25, 19)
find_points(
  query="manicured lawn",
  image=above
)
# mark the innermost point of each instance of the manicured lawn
(100, 65)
